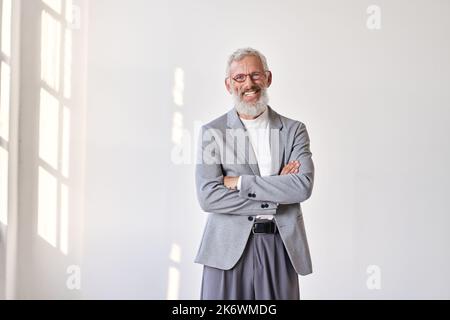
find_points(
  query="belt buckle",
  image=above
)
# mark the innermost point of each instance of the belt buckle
(254, 227)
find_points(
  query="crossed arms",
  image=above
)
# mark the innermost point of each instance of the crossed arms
(258, 195)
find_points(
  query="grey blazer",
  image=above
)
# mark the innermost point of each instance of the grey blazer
(224, 151)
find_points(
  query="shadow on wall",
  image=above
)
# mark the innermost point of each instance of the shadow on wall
(47, 259)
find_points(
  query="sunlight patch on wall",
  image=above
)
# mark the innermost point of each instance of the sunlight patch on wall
(178, 87)
(69, 11)
(174, 284)
(6, 27)
(49, 129)
(47, 206)
(55, 5)
(175, 253)
(173, 287)
(65, 152)
(68, 64)
(5, 100)
(50, 50)
(177, 128)
(55, 116)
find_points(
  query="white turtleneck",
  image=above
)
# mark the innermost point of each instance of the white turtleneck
(259, 134)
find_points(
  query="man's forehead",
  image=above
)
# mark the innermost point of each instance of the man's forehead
(248, 62)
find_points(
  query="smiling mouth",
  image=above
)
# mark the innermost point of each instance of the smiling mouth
(250, 93)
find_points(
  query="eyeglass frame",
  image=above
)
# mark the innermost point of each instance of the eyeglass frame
(249, 74)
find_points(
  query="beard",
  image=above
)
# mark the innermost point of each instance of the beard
(251, 109)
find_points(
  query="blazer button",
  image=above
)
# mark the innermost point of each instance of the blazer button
(250, 218)
(263, 206)
(250, 195)
(254, 195)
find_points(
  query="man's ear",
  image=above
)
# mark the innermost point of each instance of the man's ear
(269, 79)
(228, 84)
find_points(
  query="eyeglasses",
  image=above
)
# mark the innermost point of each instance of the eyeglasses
(255, 76)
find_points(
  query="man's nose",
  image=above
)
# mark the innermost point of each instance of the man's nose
(248, 83)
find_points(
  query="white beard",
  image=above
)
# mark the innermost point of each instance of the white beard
(251, 109)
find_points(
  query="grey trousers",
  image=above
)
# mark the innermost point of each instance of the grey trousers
(264, 272)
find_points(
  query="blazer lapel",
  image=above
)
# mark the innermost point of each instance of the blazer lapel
(277, 140)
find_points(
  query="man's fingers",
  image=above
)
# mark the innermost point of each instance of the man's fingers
(294, 166)
(229, 182)
(291, 167)
(287, 168)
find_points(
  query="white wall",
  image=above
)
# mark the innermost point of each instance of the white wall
(375, 103)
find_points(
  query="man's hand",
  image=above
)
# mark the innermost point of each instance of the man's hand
(230, 182)
(291, 167)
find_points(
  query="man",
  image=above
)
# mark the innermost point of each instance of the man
(253, 171)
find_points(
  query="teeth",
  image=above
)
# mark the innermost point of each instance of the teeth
(249, 93)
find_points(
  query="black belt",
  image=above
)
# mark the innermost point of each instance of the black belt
(264, 226)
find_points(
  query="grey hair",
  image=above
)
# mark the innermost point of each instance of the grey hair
(240, 54)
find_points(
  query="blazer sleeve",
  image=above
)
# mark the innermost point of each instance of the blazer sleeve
(285, 189)
(212, 194)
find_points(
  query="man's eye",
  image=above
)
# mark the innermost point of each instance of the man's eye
(240, 77)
